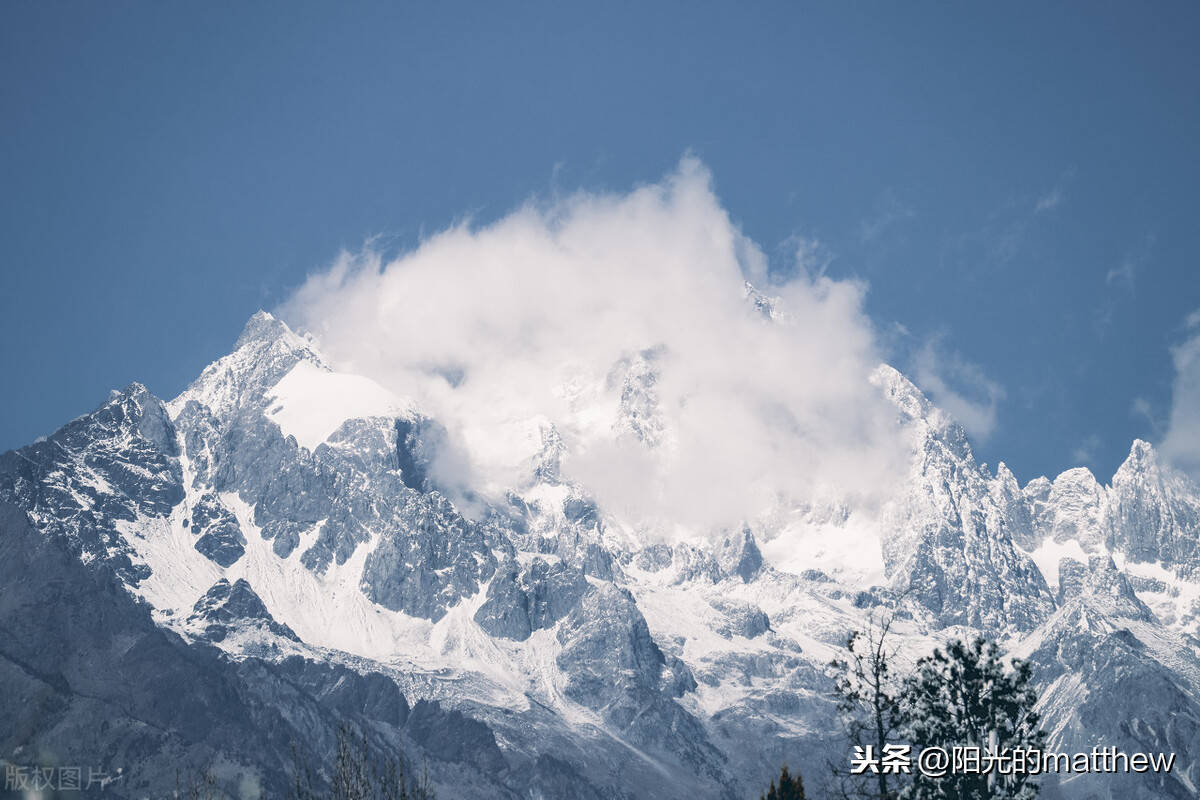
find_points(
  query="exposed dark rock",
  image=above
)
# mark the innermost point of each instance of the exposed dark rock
(220, 536)
(521, 600)
(450, 736)
(228, 606)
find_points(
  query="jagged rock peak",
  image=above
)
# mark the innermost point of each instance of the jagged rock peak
(1072, 508)
(134, 396)
(739, 555)
(1014, 505)
(262, 325)
(548, 461)
(928, 422)
(914, 406)
(1144, 461)
(1141, 452)
(132, 410)
(1154, 512)
(266, 350)
(639, 414)
(901, 391)
(1076, 477)
(226, 606)
(765, 305)
(1101, 587)
(265, 331)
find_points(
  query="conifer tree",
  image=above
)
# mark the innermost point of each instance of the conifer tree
(791, 787)
(360, 773)
(964, 697)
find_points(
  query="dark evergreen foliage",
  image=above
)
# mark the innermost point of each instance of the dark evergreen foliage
(359, 774)
(964, 697)
(791, 787)
(960, 697)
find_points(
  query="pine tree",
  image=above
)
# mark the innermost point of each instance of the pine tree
(964, 697)
(360, 773)
(791, 787)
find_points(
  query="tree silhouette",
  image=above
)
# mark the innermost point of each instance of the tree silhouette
(867, 691)
(360, 774)
(964, 697)
(791, 787)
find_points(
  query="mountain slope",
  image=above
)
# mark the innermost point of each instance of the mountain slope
(280, 537)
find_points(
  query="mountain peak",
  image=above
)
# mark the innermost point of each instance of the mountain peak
(929, 421)
(264, 352)
(282, 455)
(902, 392)
(266, 336)
(1141, 454)
(1077, 476)
(262, 326)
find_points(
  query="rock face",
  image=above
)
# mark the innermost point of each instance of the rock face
(1153, 514)
(87, 675)
(450, 736)
(741, 619)
(1101, 658)
(112, 466)
(638, 415)
(279, 541)
(1118, 657)
(229, 606)
(523, 600)
(613, 666)
(220, 537)
(951, 542)
(373, 695)
(1073, 509)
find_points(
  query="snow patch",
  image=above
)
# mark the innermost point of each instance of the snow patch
(327, 610)
(850, 552)
(310, 402)
(1050, 552)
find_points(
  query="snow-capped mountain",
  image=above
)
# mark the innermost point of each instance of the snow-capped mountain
(211, 580)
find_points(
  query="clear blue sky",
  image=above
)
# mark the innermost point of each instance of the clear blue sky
(1017, 182)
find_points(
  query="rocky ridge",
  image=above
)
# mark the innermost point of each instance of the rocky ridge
(522, 645)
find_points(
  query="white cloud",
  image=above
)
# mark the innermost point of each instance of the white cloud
(1181, 443)
(1057, 194)
(1123, 275)
(959, 387)
(1142, 409)
(812, 256)
(1049, 201)
(1085, 453)
(531, 313)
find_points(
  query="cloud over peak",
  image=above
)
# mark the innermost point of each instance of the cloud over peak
(960, 387)
(501, 330)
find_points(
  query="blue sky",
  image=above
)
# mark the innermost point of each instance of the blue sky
(1018, 184)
